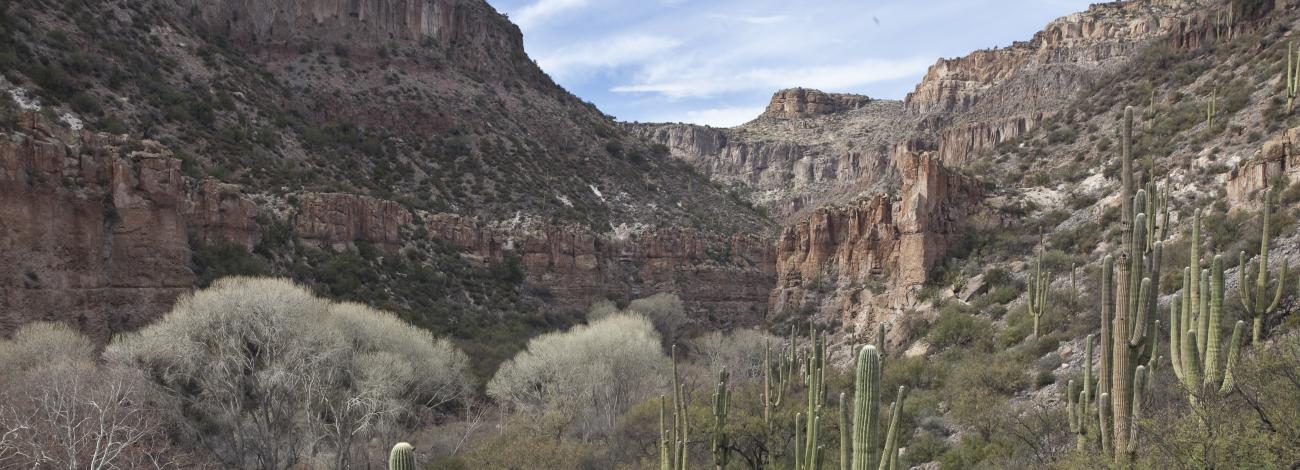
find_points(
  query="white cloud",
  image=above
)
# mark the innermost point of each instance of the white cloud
(724, 117)
(607, 53)
(532, 14)
(753, 19)
(680, 80)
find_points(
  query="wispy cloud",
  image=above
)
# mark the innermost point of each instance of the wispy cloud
(678, 80)
(568, 61)
(752, 19)
(718, 62)
(723, 117)
(530, 15)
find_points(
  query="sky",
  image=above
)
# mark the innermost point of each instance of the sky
(718, 62)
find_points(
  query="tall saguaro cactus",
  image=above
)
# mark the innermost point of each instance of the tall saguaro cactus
(866, 416)
(1200, 371)
(679, 436)
(1130, 283)
(1292, 77)
(1079, 410)
(1039, 297)
(719, 445)
(1255, 300)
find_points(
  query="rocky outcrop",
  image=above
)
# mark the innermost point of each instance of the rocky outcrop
(960, 143)
(729, 278)
(216, 211)
(1099, 38)
(258, 21)
(859, 264)
(92, 232)
(339, 219)
(795, 103)
(1280, 158)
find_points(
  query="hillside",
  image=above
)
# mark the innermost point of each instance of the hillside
(319, 140)
(410, 157)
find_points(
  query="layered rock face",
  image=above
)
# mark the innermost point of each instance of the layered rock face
(861, 263)
(794, 103)
(446, 21)
(727, 277)
(1103, 36)
(93, 232)
(1279, 159)
(792, 158)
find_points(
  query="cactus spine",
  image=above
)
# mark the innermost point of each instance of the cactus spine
(1255, 301)
(402, 457)
(1039, 296)
(720, 446)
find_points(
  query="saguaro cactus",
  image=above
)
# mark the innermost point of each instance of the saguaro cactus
(1039, 297)
(679, 437)
(1130, 283)
(720, 446)
(1201, 372)
(866, 416)
(1292, 77)
(402, 457)
(1256, 301)
(1080, 409)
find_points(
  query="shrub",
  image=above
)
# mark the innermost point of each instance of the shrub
(317, 376)
(958, 328)
(58, 404)
(667, 313)
(739, 352)
(588, 375)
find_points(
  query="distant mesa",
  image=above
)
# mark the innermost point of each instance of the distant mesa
(795, 103)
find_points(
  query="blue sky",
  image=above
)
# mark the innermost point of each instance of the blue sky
(717, 62)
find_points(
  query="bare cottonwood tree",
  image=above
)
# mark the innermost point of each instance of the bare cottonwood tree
(262, 374)
(589, 375)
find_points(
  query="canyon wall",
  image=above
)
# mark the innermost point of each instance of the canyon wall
(1279, 158)
(96, 232)
(91, 230)
(861, 264)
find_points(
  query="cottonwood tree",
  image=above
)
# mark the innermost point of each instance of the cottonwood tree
(588, 376)
(262, 374)
(61, 411)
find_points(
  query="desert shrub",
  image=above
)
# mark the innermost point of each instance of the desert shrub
(62, 411)
(218, 259)
(959, 328)
(264, 374)
(42, 343)
(587, 376)
(667, 313)
(739, 352)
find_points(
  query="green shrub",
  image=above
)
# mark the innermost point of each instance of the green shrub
(958, 328)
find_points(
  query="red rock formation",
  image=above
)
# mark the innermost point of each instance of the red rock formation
(795, 103)
(217, 211)
(1280, 158)
(338, 219)
(728, 276)
(92, 232)
(862, 260)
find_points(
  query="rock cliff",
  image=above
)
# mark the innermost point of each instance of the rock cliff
(861, 264)
(797, 103)
(93, 232)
